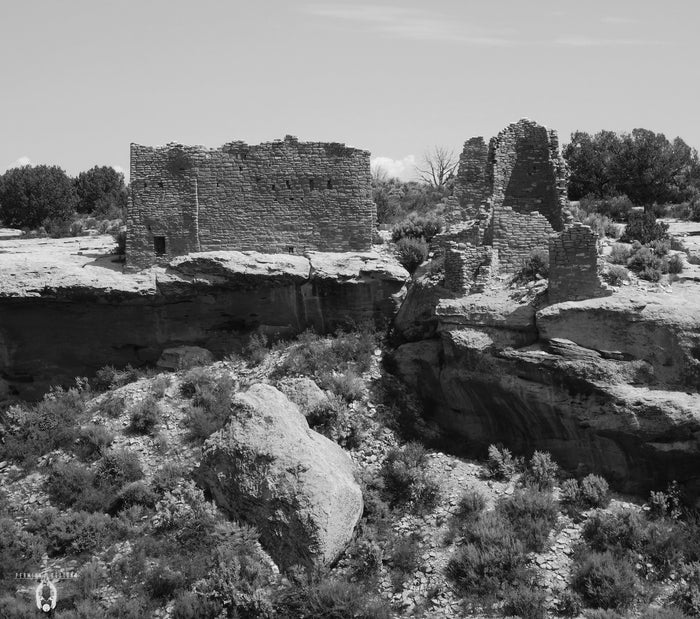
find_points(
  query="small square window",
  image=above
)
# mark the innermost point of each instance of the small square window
(159, 245)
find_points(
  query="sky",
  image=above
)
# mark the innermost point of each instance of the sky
(84, 78)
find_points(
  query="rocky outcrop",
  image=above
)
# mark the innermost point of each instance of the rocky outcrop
(66, 309)
(606, 385)
(266, 467)
(182, 357)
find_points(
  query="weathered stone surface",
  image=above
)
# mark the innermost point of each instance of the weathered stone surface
(304, 392)
(355, 267)
(660, 329)
(278, 197)
(297, 487)
(235, 268)
(416, 317)
(66, 309)
(179, 357)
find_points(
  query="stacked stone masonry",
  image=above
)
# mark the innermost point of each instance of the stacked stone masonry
(573, 265)
(284, 196)
(468, 268)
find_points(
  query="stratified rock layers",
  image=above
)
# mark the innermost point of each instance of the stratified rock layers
(64, 327)
(606, 385)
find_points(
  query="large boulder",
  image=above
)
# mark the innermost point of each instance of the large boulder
(267, 468)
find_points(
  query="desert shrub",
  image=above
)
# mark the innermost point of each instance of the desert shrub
(366, 558)
(570, 492)
(686, 597)
(113, 406)
(595, 491)
(118, 467)
(619, 254)
(190, 605)
(617, 532)
(70, 532)
(16, 607)
(144, 416)
(604, 580)
(501, 464)
(600, 613)
(120, 240)
(32, 431)
(676, 263)
(316, 355)
(666, 504)
(532, 515)
(568, 603)
(257, 348)
(525, 601)
(660, 247)
(405, 554)
(348, 385)
(616, 275)
(471, 505)
(405, 477)
(19, 549)
(417, 227)
(654, 612)
(490, 556)
(536, 265)
(650, 274)
(211, 407)
(411, 253)
(602, 225)
(330, 599)
(134, 493)
(644, 258)
(72, 485)
(92, 440)
(334, 419)
(108, 377)
(167, 477)
(159, 385)
(541, 471)
(643, 227)
(162, 582)
(616, 207)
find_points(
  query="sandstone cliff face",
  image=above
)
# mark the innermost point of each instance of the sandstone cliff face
(70, 311)
(606, 385)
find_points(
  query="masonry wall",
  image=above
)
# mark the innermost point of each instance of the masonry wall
(515, 235)
(282, 196)
(573, 265)
(528, 171)
(473, 185)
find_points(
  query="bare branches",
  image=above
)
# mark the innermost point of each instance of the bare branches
(439, 166)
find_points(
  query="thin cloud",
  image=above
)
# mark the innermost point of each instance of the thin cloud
(412, 24)
(404, 168)
(612, 19)
(20, 161)
(576, 40)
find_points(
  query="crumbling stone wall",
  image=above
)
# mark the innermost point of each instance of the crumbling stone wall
(469, 268)
(515, 235)
(573, 265)
(528, 171)
(281, 196)
(473, 184)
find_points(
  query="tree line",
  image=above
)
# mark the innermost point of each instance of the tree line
(45, 196)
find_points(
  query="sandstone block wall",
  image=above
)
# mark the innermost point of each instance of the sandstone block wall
(515, 236)
(473, 186)
(528, 171)
(468, 268)
(573, 265)
(282, 196)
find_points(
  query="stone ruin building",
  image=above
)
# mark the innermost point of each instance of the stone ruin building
(284, 196)
(509, 200)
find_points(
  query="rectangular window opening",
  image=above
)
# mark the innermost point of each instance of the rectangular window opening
(159, 245)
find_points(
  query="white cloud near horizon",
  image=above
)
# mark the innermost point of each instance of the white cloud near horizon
(404, 169)
(413, 24)
(19, 162)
